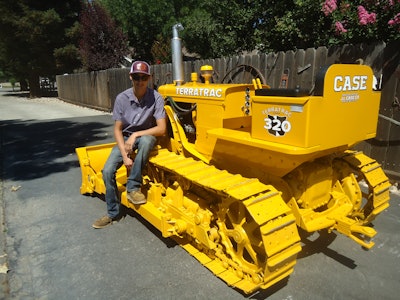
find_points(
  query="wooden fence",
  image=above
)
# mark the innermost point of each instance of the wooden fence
(293, 68)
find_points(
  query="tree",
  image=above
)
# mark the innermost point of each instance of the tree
(103, 45)
(287, 25)
(362, 20)
(221, 28)
(148, 23)
(215, 28)
(34, 39)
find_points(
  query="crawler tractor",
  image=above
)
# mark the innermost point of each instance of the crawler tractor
(245, 167)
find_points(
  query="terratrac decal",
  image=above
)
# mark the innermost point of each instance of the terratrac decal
(277, 121)
(202, 92)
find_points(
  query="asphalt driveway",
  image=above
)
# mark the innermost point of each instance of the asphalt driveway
(50, 250)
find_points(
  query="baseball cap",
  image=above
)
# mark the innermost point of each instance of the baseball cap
(140, 67)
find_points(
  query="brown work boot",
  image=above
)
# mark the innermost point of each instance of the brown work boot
(105, 221)
(136, 197)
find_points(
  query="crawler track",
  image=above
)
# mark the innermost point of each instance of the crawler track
(377, 195)
(237, 227)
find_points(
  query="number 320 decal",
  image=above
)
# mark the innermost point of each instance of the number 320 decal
(277, 125)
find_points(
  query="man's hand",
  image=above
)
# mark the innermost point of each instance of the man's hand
(128, 162)
(128, 147)
(129, 144)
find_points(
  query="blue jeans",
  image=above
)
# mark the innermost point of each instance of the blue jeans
(144, 145)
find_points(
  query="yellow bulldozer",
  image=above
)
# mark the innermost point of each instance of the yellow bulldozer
(245, 167)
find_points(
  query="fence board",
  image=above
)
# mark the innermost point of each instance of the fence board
(274, 69)
(386, 108)
(255, 63)
(308, 75)
(299, 56)
(262, 58)
(289, 66)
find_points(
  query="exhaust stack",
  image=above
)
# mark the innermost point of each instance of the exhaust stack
(177, 63)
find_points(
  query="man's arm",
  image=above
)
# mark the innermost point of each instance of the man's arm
(157, 130)
(119, 138)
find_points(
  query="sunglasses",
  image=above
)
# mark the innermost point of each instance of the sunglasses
(137, 77)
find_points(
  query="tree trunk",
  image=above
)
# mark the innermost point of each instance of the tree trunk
(23, 85)
(34, 86)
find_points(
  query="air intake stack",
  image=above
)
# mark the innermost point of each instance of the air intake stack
(177, 63)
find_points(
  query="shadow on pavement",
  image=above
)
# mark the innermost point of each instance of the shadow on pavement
(35, 149)
(321, 245)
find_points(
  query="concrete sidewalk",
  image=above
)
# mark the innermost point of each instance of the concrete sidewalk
(16, 106)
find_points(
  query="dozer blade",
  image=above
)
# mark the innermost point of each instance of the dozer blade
(92, 160)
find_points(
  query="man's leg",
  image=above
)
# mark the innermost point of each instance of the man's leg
(144, 145)
(111, 166)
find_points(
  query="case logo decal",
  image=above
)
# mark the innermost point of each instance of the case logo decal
(349, 86)
(350, 83)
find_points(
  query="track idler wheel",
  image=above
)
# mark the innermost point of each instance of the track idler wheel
(241, 237)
